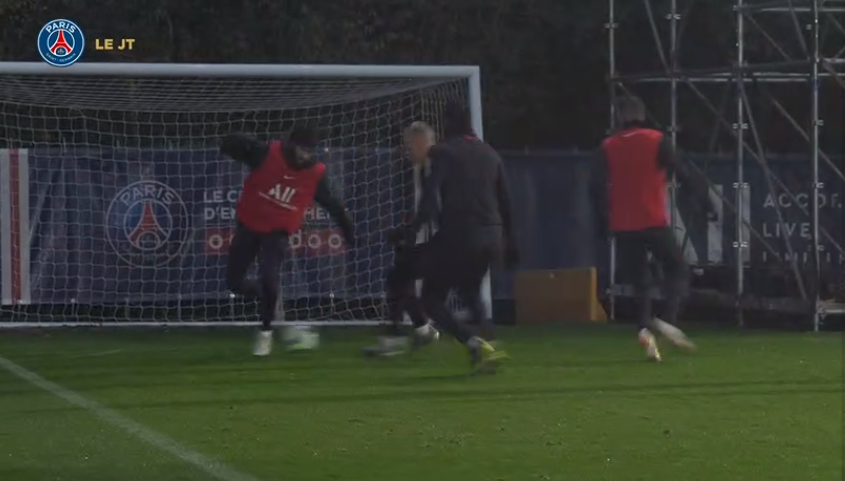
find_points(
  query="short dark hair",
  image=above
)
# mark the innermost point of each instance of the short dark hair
(630, 109)
(456, 119)
(303, 136)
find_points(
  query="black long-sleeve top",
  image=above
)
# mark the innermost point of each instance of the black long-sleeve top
(474, 203)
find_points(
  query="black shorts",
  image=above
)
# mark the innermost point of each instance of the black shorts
(247, 246)
(449, 264)
(632, 254)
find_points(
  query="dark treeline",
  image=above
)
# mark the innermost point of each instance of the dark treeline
(544, 62)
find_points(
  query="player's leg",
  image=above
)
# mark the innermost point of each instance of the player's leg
(446, 270)
(402, 298)
(632, 257)
(398, 291)
(668, 254)
(407, 265)
(424, 330)
(433, 299)
(242, 253)
(469, 291)
(402, 290)
(273, 246)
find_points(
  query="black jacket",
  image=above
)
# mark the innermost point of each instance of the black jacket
(474, 209)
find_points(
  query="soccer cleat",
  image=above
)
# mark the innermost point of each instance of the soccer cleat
(425, 335)
(300, 339)
(485, 358)
(675, 335)
(388, 346)
(263, 343)
(648, 341)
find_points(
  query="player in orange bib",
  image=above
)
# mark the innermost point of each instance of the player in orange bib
(284, 181)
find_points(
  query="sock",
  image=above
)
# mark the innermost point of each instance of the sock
(266, 323)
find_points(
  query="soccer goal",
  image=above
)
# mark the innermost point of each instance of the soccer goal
(116, 207)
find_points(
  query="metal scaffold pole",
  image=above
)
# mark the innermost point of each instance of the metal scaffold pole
(673, 18)
(740, 125)
(778, 63)
(611, 38)
(817, 186)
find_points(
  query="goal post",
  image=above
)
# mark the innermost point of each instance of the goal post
(117, 207)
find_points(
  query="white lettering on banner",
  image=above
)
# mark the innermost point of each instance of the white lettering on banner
(215, 242)
(317, 242)
(802, 200)
(310, 242)
(218, 239)
(221, 196)
(799, 233)
(825, 257)
(228, 199)
(219, 213)
(149, 190)
(788, 229)
(316, 213)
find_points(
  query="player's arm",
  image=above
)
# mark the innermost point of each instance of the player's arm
(244, 149)
(696, 186)
(428, 208)
(326, 198)
(599, 192)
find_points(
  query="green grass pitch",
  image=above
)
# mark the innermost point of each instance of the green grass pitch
(575, 404)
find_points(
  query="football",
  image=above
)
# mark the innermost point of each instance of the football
(300, 338)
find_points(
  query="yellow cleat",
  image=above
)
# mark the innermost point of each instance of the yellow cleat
(486, 359)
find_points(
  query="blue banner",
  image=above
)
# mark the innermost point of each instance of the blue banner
(556, 229)
(116, 225)
(153, 226)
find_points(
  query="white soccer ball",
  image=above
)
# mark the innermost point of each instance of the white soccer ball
(300, 338)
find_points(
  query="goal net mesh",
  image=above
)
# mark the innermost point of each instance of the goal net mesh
(116, 205)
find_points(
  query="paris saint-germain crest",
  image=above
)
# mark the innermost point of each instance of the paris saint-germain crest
(147, 224)
(61, 43)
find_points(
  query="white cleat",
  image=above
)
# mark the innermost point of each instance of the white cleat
(648, 341)
(263, 343)
(388, 346)
(675, 335)
(425, 335)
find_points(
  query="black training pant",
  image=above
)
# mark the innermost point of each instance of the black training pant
(402, 292)
(632, 255)
(269, 248)
(443, 268)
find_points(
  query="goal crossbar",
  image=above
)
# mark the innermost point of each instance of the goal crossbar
(149, 69)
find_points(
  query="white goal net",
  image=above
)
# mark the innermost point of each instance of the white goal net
(116, 206)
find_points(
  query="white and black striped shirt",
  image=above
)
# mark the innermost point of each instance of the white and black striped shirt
(421, 172)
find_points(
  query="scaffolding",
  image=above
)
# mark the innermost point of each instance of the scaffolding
(779, 56)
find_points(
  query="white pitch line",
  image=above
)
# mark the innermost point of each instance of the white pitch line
(211, 467)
